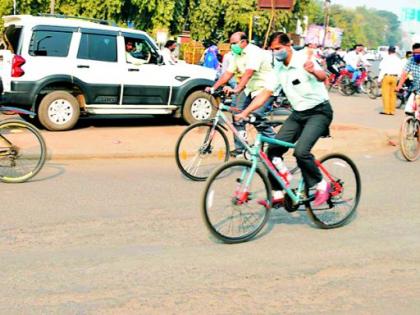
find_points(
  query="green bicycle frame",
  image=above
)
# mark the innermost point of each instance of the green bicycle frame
(258, 155)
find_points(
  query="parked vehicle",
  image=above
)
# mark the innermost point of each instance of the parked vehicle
(62, 68)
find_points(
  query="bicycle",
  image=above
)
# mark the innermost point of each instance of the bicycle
(204, 146)
(237, 198)
(410, 132)
(22, 148)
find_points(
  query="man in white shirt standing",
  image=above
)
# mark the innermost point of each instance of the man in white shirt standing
(390, 70)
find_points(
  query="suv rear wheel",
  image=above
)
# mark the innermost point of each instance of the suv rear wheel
(59, 110)
(199, 106)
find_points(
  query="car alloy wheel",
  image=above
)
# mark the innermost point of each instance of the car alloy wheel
(201, 109)
(60, 111)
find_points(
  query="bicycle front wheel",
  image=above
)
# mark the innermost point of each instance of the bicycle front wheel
(22, 151)
(198, 151)
(233, 211)
(342, 174)
(345, 87)
(372, 88)
(410, 139)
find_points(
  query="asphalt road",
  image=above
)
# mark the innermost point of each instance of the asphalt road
(126, 237)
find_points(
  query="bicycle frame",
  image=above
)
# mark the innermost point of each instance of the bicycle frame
(296, 195)
(221, 118)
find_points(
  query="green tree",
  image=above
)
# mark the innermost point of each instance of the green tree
(392, 30)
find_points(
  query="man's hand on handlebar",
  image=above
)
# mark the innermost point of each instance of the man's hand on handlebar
(209, 90)
(240, 116)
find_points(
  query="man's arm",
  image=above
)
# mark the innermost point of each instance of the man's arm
(319, 74)
(244, 80)
(256, 103)
(222, 80)
(402, 80)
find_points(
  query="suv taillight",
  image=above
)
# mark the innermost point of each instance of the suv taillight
(17, 63)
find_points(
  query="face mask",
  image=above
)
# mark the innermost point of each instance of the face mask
(416, 58)
(280, 55)
(236, 49)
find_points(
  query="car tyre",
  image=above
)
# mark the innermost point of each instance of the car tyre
(199, 106)
(59, 110)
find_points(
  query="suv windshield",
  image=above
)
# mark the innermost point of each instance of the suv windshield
(11, 37)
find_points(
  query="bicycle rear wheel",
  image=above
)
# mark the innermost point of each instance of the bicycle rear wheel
(372, 88)
(410, 139)
(22, 151)
(344, 178)
(234, 212)
(198, 153)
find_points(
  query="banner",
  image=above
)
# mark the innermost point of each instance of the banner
(315, 35)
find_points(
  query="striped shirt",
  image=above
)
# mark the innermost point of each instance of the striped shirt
(414, 69)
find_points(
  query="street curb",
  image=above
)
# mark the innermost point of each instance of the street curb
(345, 138)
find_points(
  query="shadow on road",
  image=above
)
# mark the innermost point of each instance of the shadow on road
(127, 121)
(49, 171)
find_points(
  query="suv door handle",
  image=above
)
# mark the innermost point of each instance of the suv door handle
(133, 69)
(83, 66)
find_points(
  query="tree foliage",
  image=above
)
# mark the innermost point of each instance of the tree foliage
(216, 20)
(360, 25)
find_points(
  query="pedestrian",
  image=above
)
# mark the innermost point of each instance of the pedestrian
(211, 58)
(253, 65)
(301, 78)
(168, 53)
(390, 70)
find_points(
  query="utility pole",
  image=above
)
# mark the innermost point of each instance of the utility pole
(14, 7)
(52, 6)
(326, 20)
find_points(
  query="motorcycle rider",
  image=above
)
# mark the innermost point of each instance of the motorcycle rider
(353, 60)
(333, 61)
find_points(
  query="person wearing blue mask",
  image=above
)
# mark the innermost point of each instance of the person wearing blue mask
(301, 79)
(412, 67)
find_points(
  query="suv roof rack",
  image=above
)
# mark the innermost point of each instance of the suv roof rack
(61, 16)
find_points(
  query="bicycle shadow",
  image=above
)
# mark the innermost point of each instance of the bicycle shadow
(49, 171)
(399, 156)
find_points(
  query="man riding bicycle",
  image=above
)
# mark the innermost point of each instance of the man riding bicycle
(302, 81)
(254, 66)
(412, 67)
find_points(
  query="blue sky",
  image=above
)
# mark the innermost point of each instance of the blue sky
(389, 5)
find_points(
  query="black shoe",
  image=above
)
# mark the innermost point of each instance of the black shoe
(236, 152)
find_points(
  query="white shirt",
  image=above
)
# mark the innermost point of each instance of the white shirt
(353, 59)
(252, 58)
(168, 58)
(302, 89)
(391, 64)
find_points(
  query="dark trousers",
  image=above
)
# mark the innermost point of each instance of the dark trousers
(304, 128)
(262, 112)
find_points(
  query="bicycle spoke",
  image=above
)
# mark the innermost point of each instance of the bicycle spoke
(232, 211)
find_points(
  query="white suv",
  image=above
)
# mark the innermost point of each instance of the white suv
(63, 67)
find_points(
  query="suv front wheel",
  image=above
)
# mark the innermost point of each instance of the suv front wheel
(58, 110)
(199, 106)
